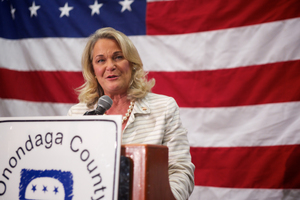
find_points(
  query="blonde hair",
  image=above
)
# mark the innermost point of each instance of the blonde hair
(91, 90)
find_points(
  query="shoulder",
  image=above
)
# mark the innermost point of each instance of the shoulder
(156, 98)
(160, 102)
(78, 109)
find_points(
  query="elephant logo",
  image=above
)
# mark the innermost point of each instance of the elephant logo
(45, 184)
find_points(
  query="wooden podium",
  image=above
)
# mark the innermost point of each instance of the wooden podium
(150, 179)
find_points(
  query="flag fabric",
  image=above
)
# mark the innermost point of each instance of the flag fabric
(232, 66)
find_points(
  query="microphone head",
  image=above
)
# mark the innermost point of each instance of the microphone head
(104, 103)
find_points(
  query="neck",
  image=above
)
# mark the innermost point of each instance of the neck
(119, 106)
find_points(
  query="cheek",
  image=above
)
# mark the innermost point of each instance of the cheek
(98, 70)
(127, 68)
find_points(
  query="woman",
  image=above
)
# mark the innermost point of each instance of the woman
(112, 66)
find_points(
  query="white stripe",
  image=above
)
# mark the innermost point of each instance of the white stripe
(46, 54)
(215, 193)
(228, 48)
(18, 108)
(259, 125)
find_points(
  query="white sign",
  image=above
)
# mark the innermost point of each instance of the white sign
(63, 158)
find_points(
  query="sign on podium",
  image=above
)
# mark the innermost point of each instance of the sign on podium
(60, 158)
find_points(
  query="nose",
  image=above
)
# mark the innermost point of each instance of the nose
(110, 65)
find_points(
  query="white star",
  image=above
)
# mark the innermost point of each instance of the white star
(12, 11)
(33, 9)
(65, 10)
(126, 5)
(95, 8)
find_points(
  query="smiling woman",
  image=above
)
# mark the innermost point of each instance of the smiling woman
(112, 70)
(112, 67)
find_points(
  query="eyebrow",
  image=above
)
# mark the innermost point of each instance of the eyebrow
(116, 52)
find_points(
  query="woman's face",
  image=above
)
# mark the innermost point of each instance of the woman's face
(112, 70)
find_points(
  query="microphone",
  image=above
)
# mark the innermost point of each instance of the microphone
(104, 103)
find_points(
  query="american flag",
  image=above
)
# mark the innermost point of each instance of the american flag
(232, 66)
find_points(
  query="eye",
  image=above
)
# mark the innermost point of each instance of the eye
(100, 60)
(119, 57)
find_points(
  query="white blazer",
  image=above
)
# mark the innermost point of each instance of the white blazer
(155, 120)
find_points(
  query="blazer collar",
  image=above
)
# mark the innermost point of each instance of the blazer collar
(141, 107)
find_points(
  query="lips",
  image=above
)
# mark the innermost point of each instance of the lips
(112, 76)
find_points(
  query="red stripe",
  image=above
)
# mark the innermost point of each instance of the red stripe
(247, 167)
(40, 86)
(189, 16)
(270, 83)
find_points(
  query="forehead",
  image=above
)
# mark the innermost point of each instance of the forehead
(105, 45)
